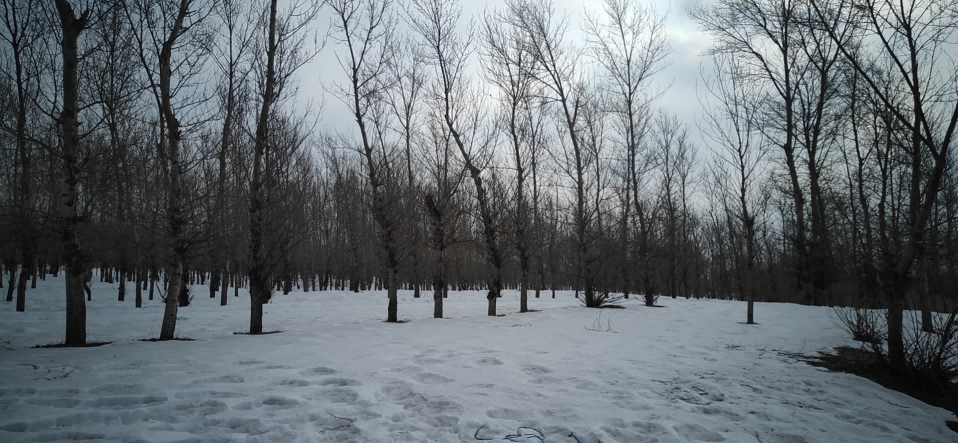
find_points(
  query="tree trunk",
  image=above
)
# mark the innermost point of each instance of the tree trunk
(896, 345)
(437, 292)
(214, 281)
(174, 210)
(256, 297)
(121, 292)
(226, 281)
(924, 296)
(71, 27)
(260, 288)
(153, 277)
(12, 282)
(393, 293)
(168, 327)
(139, 287)
(22, 288)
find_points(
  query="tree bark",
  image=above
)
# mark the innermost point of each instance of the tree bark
(174, 211)
(259, 274)
(71, 27)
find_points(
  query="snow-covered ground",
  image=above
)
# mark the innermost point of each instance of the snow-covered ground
(690, 371)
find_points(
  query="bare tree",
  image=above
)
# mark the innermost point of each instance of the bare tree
(732, 125)
(71, 27)
(117, 90)
(559, 71)
(21, 31)
(231, 56)
(629, 42)
(459, 107)
(407, 79)
(165, 28)
(284, 54)
(509, 65)
(442, 186)
(911, 40)
(764, 35)
(365, 30)
(676, 161)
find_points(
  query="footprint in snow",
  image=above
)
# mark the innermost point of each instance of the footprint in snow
(319, 370)
(334, 395)
(488, 361)
(294, 382)
(62, 402)
(694, 432)
(341, 382)
(206, 395)
(116, 389)
(431, 379)
(423, 360)
(535, 370)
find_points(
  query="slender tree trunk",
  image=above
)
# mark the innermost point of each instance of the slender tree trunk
(224, 296)
(22, 288)
(174, 210)
(12, 282)
(260, 287)
(439, 244)
(121, 292)
(895, 318)
(139, 287)
(71, 27)
(153, 278)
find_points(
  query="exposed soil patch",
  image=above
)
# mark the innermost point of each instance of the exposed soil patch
(89, 344)
(864, 363)
(168, 339)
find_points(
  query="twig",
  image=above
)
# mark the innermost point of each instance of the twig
(350, 420)
(893, 404)
(58, 377)
(597, 325)
(7, 344)
(476, 434)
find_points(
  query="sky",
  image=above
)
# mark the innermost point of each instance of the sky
(683, 72)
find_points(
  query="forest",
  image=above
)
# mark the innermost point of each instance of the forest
(162, 142)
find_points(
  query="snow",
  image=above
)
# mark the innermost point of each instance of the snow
(689, 371)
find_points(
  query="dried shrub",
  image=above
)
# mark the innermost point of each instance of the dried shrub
(933, 356)
(604, 300)
(865, 325)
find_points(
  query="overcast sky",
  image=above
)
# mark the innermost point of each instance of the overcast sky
(683, 72)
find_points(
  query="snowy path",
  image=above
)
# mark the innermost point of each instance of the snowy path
(687, 372)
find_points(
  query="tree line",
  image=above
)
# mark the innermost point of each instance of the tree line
(162, 142)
